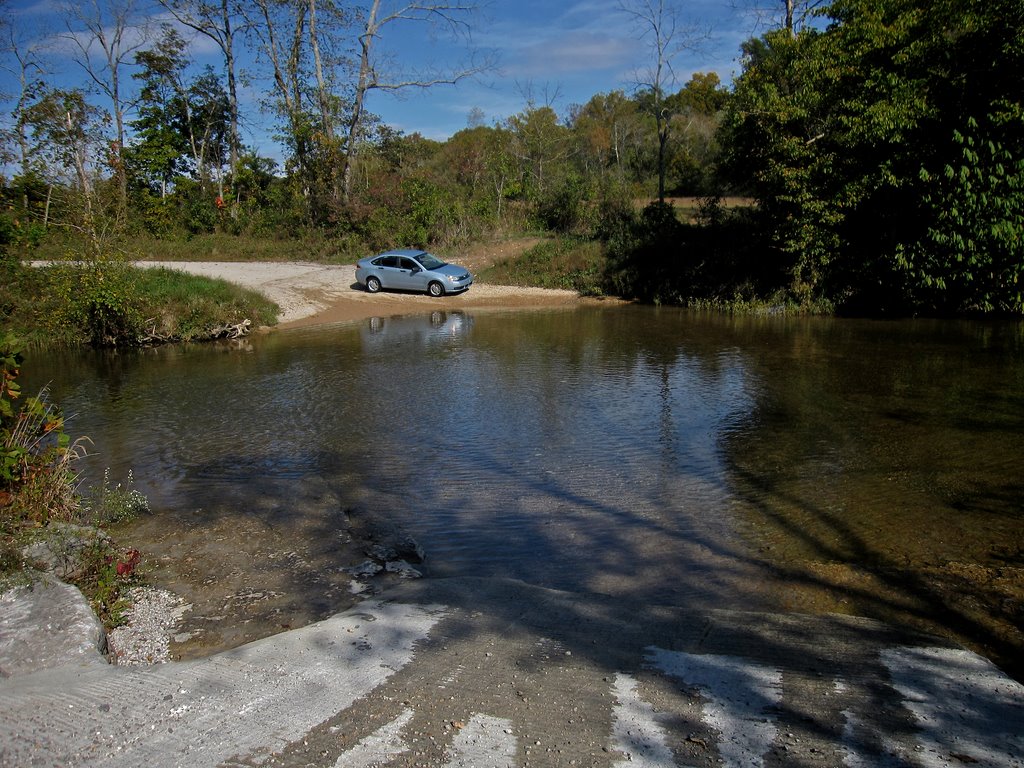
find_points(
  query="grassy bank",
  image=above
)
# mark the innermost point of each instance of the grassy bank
(567, 263)
(206, 247)
(111, 303)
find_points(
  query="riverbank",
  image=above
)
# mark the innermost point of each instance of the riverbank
(314, 294)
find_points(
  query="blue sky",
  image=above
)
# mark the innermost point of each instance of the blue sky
(551, 52)
(561, 53)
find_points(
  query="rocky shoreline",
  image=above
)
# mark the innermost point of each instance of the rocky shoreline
(48, 622)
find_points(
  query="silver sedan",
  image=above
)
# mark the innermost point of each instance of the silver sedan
(411, 270)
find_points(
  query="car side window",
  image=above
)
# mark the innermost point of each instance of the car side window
(409, 264)
(388, 261)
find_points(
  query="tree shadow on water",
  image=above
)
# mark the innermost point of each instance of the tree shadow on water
(872, 579)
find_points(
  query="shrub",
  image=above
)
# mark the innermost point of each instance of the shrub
(563, 208)
(39, 505)
(98, 301)
(567, 263)
(35, 452)
(37, 483)
(644, 256)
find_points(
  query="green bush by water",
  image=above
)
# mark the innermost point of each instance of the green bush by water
(42, 517)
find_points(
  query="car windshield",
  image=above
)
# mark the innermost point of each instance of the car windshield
(430, 261)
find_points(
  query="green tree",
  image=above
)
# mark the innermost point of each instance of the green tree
(609, 131)
(696, 114)
(971, 258)
(157, 154)
(219, 23)
(206, 123)
(541, 145)
(67, 131)
(842, 135)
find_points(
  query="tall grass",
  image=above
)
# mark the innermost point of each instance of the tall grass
(312, 247)
(566, 263)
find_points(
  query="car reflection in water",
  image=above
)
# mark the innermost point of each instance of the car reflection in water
(438, 329)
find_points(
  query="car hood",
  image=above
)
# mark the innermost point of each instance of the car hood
(452, 270)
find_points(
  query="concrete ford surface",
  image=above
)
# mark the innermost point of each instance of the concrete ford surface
(493, 673)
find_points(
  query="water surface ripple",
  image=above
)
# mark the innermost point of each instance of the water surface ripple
(799, 464)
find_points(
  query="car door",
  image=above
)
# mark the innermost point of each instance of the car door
(411, 275)
(387, 271)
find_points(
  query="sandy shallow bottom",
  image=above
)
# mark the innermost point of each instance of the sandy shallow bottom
(304, 578)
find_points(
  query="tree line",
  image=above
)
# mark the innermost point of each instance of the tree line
(879, 142)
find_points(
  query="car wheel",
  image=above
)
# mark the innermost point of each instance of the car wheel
(372, 285)
(435, 289)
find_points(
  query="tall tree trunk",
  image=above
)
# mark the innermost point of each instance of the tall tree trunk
(324, 102)
(322, 87)
(228, 49)
(364, 83)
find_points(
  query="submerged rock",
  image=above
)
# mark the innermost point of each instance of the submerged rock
(403, 569)
(364, 570)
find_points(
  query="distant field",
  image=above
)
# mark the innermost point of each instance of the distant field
(687, 207)
(693, 202)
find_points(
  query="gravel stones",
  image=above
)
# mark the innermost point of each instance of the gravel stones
(150, 622)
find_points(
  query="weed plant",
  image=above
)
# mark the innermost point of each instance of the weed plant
(43, 521)
(109, 504)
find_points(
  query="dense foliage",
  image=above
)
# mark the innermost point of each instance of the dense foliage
(886, 154)
(108, 303)
(881, 144)
(32, 437)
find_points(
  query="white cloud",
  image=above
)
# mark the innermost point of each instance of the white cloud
(590, 52)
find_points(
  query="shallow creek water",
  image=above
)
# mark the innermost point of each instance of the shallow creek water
(874, 468)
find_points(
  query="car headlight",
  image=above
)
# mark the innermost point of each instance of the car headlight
(451, 278)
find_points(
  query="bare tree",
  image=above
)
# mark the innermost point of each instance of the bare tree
(659, 24)
(324, 63)
(283, 51)
(375, 74)
(766, 13)
(66, 130)
(113, 29)
(216, 21)
(28, 68)
(298, 41)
